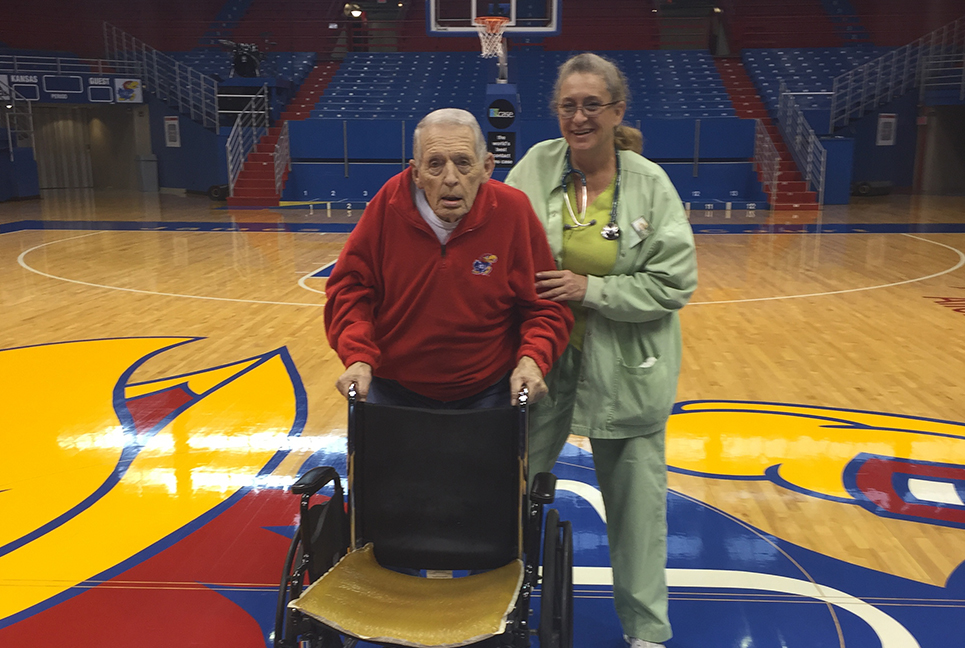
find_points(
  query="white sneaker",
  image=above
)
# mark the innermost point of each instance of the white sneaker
(640, 643)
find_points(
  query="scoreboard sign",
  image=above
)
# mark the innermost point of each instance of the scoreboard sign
(76, 88)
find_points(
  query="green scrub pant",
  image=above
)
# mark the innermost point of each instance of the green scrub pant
(632, 474)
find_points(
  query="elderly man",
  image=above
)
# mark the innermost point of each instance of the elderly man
(432, 301)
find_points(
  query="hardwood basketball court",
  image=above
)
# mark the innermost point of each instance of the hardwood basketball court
(817, 452)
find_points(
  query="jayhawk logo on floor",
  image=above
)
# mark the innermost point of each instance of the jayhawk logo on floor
(147, 488)
(132, 504)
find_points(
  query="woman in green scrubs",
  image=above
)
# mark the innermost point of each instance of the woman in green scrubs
(626, 259)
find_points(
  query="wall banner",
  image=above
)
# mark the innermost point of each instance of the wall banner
(46, 88)
(129, 90)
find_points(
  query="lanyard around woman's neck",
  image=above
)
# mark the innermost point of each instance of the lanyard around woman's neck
(610, 231)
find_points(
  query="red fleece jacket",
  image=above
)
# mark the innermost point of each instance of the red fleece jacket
(445, 321)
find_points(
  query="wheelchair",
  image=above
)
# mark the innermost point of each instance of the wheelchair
(439, 493)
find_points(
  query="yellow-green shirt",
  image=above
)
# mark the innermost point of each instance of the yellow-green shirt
(585, 251)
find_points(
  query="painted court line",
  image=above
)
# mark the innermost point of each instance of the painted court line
(179, 226)
(302, 284)
(320, 272)
(890, 632)
(23, 264)
(319, 227)
(961, 262)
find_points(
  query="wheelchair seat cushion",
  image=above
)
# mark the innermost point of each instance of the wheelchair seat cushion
(359, 597)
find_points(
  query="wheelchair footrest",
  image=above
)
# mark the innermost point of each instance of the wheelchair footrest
(360, 598)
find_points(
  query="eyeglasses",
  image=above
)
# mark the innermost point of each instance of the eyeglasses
(568, 109)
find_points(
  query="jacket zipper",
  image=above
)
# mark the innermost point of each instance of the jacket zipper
(471, 229)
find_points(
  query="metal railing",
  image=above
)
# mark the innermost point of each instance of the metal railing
(193, 93)
(17, 64)
(809, 154)
(282, 157)
(767, 158)
(866, 87)
(17, 118)
(944, 71)
(251, 125)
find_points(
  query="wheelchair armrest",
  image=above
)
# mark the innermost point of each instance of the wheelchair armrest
(543, 490)
(314, 480)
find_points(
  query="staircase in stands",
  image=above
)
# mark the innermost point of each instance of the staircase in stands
(255, 186)
(792, 191)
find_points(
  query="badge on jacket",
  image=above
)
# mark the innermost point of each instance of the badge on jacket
(642, 227)
(484, 264)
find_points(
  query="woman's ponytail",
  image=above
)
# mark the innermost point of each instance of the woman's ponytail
(628, 138)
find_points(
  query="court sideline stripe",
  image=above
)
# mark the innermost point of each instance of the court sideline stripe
(178, 226)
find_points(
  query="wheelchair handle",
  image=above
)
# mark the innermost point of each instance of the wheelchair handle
(315, 479)
(522, 396)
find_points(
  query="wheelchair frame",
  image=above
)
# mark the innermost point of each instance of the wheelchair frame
(326, 533)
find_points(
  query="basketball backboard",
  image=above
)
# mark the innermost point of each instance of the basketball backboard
(526, 17)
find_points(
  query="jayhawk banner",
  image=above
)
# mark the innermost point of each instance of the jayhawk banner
(128, 91)
(150, 513)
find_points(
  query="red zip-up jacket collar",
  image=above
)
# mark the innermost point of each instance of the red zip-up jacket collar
(402, 202)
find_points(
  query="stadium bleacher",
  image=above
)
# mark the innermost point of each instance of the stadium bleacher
(294, 66)
(594, 24)
(373, 92)
(893, 23)
(169, 25)
(403, 85)
(669, 84)
(813, 41)
(803, 70)
(290, 25)
(777, 23)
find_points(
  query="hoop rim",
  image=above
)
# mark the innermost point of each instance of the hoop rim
(492, 24)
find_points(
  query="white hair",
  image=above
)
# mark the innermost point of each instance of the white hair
(449, 117)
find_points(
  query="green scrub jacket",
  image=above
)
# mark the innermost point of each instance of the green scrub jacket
(620, 390)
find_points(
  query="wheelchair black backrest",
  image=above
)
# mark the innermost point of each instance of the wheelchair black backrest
(438, 489)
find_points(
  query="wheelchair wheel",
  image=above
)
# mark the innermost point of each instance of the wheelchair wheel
(289, 590)
(329, 543)
(566, 586)
(291, 627)
(549, 615)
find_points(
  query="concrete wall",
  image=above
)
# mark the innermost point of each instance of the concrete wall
(943, 158)
(198, 163)
(895, 164)
(112, 147)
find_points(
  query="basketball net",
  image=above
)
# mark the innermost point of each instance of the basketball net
(491, 34)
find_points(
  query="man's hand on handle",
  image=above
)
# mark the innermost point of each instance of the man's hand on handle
(361, 374)
(527, 373)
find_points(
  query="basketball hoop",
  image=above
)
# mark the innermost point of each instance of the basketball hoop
(491, 34)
